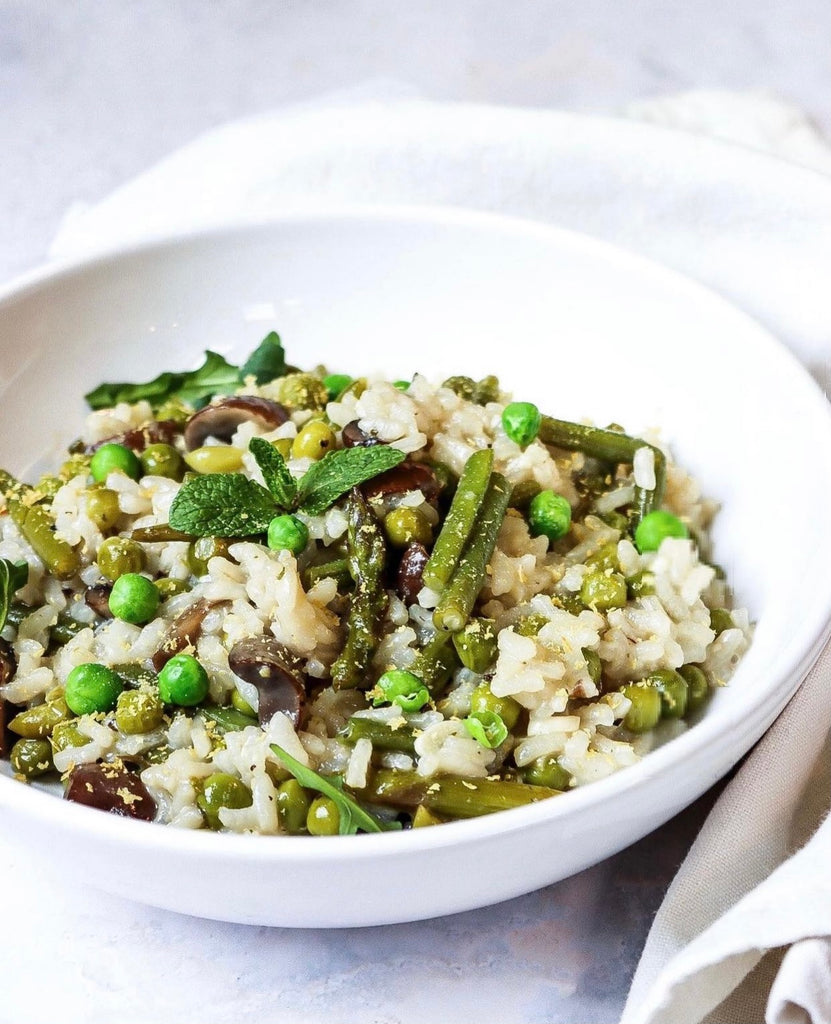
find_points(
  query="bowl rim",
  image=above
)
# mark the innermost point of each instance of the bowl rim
(744, 725)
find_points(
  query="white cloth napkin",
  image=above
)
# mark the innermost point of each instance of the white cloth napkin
(743, 889)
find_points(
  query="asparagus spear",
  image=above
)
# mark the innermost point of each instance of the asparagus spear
(382, 736)
(458, 524)
(458, 598)
(435, 663)
(367, 556)
(35, 523)
(451, 796)
(610, 447)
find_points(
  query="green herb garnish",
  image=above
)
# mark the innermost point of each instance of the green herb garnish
(267, 361)
(353, 817)
(13, 576)
(215, 376)
(231, 505)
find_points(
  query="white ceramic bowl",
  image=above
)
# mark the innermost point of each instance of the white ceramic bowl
(578, 327)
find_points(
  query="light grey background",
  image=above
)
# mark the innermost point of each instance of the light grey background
(94, 91)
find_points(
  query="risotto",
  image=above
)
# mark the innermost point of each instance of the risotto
(257, 599)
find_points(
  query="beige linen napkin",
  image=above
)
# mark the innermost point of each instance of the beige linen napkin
(711, 212)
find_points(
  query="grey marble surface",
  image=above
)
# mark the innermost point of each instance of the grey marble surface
(92, 93)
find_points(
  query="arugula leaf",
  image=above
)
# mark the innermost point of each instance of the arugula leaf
(275, 472)
(195, 386)
(222, 505)
(267, 361)
(13, 576)
(352, 816)
(340, 471)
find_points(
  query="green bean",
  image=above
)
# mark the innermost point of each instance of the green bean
(435, 663)
(36, 525)
(64, 629)
(453, 796)
(10, 487)
(367, 556)
(161, 533)
(457, 601)
(337, 569)
(458, 524)
(226, 719)
(608, 446)
(382, 736)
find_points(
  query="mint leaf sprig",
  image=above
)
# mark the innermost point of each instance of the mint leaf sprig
(231, 505)
(13, 576)
(352, 817)
(215, 376)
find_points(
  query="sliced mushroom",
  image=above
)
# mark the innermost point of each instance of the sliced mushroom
(221, 419)
(154, 432)
(111, 787)
(98, 598)
(354, 437)
(409, 580)
(407, 476)
(183, 633)
(277, 674)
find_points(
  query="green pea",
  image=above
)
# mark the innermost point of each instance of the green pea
(547, 771)
(603, 590)
(302, 391)
(91, 688)
(655, 527)
(183, 681)
(215, 458)
(594, 666)
(323, 818)
(530, 625)
(288, 533)
(119, 555)
(605, 558)
(202, 550)
(523, 494)
(174, 409)
(222, 790)
(162, 460)
(242, 705)
(138, 711)
(313, 441)
(483, 699)
(521, 422)
(283, 446)
(114, 458)
(673, 690)
(642, 584)
(102, 507)
(617, 521)
(336, 384)
(38, 722)
(549, 515)
(32, 758)
(404, 525)
(486, 390)
(464, 387)
(402, 688)
(645, 712)
(168, 587)
(720, 619)
(402, 385)
(487, 728)
(698, 689)
(65, 735)
(134, 598)
(476, 645)
(293, 805)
